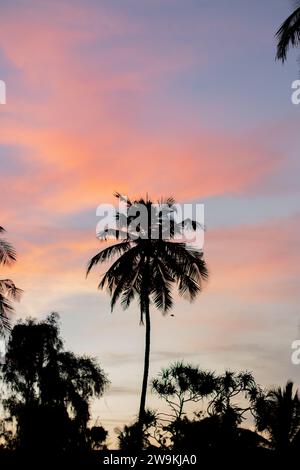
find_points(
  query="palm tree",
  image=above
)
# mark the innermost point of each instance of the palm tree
(278, 412)
(288, 35)
(8, 291)
(148, 262)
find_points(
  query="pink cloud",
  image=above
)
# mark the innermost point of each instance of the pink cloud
(256, 261)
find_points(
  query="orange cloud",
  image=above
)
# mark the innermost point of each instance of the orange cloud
(80, 119)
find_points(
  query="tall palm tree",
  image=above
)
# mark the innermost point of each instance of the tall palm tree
(148, 262)
(278, 412)
(8, 291)
(288, 34)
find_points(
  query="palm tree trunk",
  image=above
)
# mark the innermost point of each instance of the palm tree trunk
(146, 363)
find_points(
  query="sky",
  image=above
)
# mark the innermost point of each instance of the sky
(160, 97)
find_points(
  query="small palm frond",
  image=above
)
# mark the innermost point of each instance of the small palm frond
(112, 233)
(122, 198)
(108, 253)
(169, 201)
(288, 35)
(128, 296)
(7, 252)
(127, 282)
(6, 309)
(122, 265)
(192, 224)
(188, 287)
(162, 289)
(8, 289)
(189, 258)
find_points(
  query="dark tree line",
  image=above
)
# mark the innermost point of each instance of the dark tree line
(46, 394)
(233, 415)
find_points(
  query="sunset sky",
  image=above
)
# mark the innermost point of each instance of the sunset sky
(165, 97)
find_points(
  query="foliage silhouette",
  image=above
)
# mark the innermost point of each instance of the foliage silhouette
(97, 436)
(129, 438)
(212, 433)
(149, 263)
(181, 383)
(49, 389)
(218, 425)
(277, 412)
(230, 386)
(288, 35)
(8, 291)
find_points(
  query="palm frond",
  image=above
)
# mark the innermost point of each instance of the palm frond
(122, 265)
(122, 198)
(7, 253)
(107, 253)
(162, 288)
(128, 295)
(113, 233)
(9, 289)
(192, 224)
(6, 309)
(191, 259)
(188, 287)
(126, 284)
(288, 35)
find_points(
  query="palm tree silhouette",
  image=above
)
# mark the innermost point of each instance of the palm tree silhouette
(150, 261)
(288, 35)
(8, 290)
(278, 412)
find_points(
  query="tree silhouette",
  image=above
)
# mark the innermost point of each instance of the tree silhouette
(97, 436)
(230, 386)
(149, 263)
(129, 438)
(288, 35)
(178, 385)
(217, 424)
(50, 389)
(277, 412)
(182, 383)
(8, 291)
